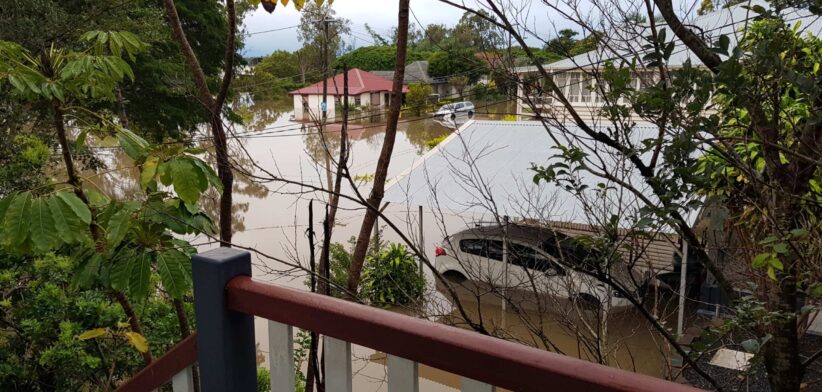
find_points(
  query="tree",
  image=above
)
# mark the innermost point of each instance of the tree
(435, 34)
(156, 104)
(316, 43)
(213, 104)
(368, 58)
(381, 171)
(459, 83)
(563, 43)
(475, 32)
(115, 242)
(417, 97)
(456, 63)
(761, 126)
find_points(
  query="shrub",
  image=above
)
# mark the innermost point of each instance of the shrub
(417, 97)
(391, 277)
(435, 141)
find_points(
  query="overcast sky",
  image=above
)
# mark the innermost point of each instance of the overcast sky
(381, 15)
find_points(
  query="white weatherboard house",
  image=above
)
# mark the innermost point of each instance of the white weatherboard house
(365, 90)
(575, 75)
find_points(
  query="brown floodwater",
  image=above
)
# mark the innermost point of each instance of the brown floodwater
(272, 217)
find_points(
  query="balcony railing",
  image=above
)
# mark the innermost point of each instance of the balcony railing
(226, 300)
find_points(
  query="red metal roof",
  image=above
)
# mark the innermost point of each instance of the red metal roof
(359, 82)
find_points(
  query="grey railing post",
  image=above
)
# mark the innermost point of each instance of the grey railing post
(225, 339)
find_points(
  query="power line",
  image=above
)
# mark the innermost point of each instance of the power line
(271, 31)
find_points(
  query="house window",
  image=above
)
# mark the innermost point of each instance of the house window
(357, 101)
(574, 87)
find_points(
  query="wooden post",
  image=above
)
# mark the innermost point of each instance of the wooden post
(226, 349)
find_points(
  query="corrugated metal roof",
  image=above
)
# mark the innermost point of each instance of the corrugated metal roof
(627, 41)
(359, 82)
(416, 72)
(483, 169)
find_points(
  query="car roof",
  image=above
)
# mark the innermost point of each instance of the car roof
(534, 235)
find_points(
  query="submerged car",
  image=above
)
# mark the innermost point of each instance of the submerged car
(452, 109)
(538, 259)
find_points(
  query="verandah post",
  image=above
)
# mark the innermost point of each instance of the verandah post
(225, 338)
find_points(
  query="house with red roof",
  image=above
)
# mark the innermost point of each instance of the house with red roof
(365, 90)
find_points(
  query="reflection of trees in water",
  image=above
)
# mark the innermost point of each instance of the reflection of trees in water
(243, 185)
(115, 175)
(259, 114)
(319, 145)
(419, 132)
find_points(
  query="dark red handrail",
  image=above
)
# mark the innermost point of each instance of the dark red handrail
(159, 372)
(483, 358)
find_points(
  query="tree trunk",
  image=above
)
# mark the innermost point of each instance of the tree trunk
(133, 322)
(375, 198)
(212, 105)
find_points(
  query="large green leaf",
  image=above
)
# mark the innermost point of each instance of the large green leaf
(16, 222)
(118, 225)
(140, 275)
(189, 181)
(133, 150)
(171, 266)
(76, 205)
(69, 227)
(4, 205)
(42, 226)
(209, 174)
(121, 270)
(88, 271)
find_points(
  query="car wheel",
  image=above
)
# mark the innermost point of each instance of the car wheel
(454, 276)
(470, 113)
(586, 301)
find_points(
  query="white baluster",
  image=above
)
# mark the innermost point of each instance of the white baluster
(471, 385)
(402, 375)
(337, 365)
(183, 381)
(281, 356)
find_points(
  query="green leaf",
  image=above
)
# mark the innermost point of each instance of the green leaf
(76, 205)
(121, 270)
(781, 248)
(118, 226)
(189, 181)
(164, 171)
(171, 266)
(4, 205)
(132, 150)
(41, 225)
(209, 174)
(140, 275)
(69, 227)
(760, 260)
(81, 140)
(149, 171)
(88, 271)
(17, 220)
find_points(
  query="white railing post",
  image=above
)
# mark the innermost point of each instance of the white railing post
(281, 356)
(183, 381)
(402, 375)
(337, 365)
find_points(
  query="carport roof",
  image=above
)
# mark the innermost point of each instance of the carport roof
(484, 169)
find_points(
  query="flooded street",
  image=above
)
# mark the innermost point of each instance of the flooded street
(271, 217)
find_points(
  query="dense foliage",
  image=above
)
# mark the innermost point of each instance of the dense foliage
(42, 313)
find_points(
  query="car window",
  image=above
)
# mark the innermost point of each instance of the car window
(527, 257)
(473, 246)
(458, 106)
(484, 248)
